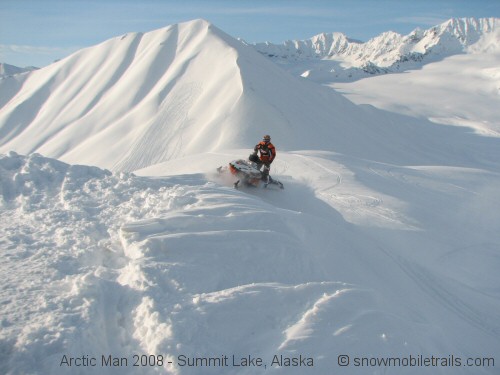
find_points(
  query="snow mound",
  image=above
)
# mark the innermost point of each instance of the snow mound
(61, 252)
(106, 264)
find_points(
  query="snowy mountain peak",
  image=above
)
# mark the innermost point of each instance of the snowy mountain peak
(387, 52)
(145, 98)
(464, 28)
(325, 44)
(134, 97)
(9, 70)
(456, 34)
(332, 43)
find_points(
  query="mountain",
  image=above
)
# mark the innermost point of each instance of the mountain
(334, 57)
(146, 98)
(461, 90)
(140, 99)
(9, 70)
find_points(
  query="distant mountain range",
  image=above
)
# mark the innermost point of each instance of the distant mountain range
(335, 57)
(8, 70)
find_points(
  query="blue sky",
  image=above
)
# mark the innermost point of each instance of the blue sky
(37, 32)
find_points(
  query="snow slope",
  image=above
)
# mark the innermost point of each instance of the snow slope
(461, 90)
(357, 258)
(334, 57)
(142, 99)
(112, 101)
(383, 244)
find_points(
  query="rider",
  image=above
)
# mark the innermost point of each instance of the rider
(267, 155)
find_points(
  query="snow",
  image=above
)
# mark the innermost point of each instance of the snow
(461, 90)
(327, 58)
(383, 244)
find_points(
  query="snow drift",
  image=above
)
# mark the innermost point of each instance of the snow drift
(99, 264)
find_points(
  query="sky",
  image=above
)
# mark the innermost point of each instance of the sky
(38, 32)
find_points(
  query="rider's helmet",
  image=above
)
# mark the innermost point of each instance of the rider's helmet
(267, 138)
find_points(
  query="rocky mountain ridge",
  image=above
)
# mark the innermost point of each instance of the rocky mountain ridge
(339, 58)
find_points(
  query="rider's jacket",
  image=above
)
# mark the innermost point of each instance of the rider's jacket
(267, 151)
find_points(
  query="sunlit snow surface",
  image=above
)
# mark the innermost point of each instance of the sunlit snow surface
(383, 244)
(385, 261)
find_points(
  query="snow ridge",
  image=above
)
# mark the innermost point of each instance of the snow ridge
(130, 94)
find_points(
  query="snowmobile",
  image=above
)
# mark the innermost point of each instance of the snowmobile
(249, 174)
